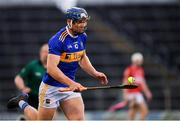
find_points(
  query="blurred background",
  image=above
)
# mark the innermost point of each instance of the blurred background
(117, 29)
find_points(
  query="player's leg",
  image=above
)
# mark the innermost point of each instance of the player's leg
(143, 110)
(73, 108)
(20, 101)
(48, 101)
(30, 113)
(118, 106)
(46, 113)
(142, 106)
(132, 106)
(132, 110)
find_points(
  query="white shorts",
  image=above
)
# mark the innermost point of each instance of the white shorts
(50, 97)
(138, 97)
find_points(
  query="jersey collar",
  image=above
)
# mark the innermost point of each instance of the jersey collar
(70, 33)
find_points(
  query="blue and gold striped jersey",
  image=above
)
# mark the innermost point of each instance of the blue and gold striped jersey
(70, 49)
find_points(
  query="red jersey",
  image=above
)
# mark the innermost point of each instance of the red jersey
(136, 72)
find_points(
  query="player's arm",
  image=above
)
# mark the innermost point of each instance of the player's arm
(146, 90)
(22, 77)
(57, 74)
(19, 82)
(86, 65)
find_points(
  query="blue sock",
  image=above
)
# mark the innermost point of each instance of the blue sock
(23, 104)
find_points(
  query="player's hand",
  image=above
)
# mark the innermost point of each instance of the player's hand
(102, 77)
(149, 96)
(76, 87)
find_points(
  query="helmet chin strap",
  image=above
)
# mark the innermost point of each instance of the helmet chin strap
(70, 24)
(70, 27)
(85, 28)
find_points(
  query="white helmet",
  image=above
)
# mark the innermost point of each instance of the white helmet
(137, 57)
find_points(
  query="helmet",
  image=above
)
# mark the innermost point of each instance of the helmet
(76, 14)
(137, 57)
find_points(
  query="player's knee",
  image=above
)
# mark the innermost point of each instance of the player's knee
(78, 117)
(145, 111)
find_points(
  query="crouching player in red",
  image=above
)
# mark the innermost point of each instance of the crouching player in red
(66, 53)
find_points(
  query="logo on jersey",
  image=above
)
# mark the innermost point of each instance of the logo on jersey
(37, 73)
(71, 57)
(48, 101)
(69, 46)
(75, 44)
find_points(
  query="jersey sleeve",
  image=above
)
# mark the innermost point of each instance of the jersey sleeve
(55, 46)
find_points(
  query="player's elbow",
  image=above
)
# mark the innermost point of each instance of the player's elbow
(17, 79)
(19, 82)
(49, 69)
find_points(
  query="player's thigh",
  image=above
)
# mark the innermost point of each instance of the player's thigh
(142, 104)
(143, 107)
(46, 113)
(48, 101)
(73, 108)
